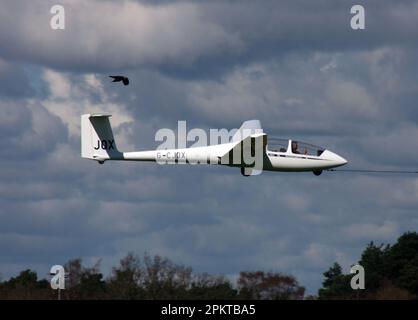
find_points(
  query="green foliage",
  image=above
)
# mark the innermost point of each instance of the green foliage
(402, 262)
(391, 272)
(26, 278)
(336, 284)
(25, 286)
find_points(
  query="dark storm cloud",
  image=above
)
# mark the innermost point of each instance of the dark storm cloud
(295, 65)
(192, 37)
(29, 134)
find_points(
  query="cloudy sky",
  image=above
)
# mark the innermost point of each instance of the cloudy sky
(295, 65)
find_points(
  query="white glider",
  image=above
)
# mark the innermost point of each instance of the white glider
(249, 149)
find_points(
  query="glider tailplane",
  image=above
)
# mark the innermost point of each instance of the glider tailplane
(97, 141)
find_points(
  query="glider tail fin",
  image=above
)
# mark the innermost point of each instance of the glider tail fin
(97, 141)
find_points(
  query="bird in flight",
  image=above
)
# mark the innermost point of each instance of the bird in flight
(124, 79)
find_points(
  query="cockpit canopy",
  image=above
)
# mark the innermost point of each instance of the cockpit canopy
(293, 146)
(277, 145)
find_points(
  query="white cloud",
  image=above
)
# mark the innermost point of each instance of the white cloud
(72, 96)
(59, 85)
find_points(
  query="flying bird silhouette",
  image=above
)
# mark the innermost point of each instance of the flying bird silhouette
(124, 79)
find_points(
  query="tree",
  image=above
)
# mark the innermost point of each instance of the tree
(92, 286)
(25, 286)
(269, 286)
(336, 285)
(402, 262)
(126, 279)
(26, 278)
(150, 277)
(373, 260)
(162, 279)
(391, 272)
(83, 282)
(206, 286)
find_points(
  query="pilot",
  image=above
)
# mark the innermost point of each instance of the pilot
(295, 147)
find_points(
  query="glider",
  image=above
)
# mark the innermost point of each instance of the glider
(248, 143)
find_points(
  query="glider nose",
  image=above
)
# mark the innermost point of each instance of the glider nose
(336, 159)
(333, 159)
(342, 161)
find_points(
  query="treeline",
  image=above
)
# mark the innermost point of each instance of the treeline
(152, 278)
(391, 272)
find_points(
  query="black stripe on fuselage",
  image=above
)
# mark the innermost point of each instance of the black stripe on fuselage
(289, 156)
